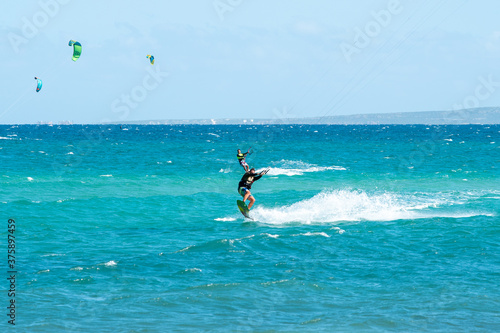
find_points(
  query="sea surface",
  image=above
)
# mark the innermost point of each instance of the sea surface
(356, 228)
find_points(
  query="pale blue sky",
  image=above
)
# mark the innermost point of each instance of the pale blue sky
(245, 58)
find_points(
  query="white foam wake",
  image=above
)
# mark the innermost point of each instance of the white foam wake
(298, 168)
(351, 205)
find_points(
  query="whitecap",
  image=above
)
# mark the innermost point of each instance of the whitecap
(340, 231)
(274, 282)
(314, 234)
(225, 219)
(231, 241)
(184, 249)
(271, 235)
(192, 270)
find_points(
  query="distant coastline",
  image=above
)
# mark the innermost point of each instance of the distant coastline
(477, 116)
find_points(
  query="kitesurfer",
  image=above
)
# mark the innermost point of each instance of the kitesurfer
(246, 182)
(241, 158)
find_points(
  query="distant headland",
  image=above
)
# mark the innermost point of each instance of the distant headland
(478, 116)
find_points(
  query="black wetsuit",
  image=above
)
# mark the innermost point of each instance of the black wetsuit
(248, 179)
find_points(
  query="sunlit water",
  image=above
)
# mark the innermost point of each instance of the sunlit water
(356, 228)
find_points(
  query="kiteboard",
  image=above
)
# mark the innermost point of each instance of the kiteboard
(242, 206)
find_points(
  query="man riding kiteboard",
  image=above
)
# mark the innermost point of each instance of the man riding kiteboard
(246, 182)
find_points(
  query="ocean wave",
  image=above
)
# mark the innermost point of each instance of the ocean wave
(212, 245)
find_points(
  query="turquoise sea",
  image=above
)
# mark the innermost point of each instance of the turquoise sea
(357, 228)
